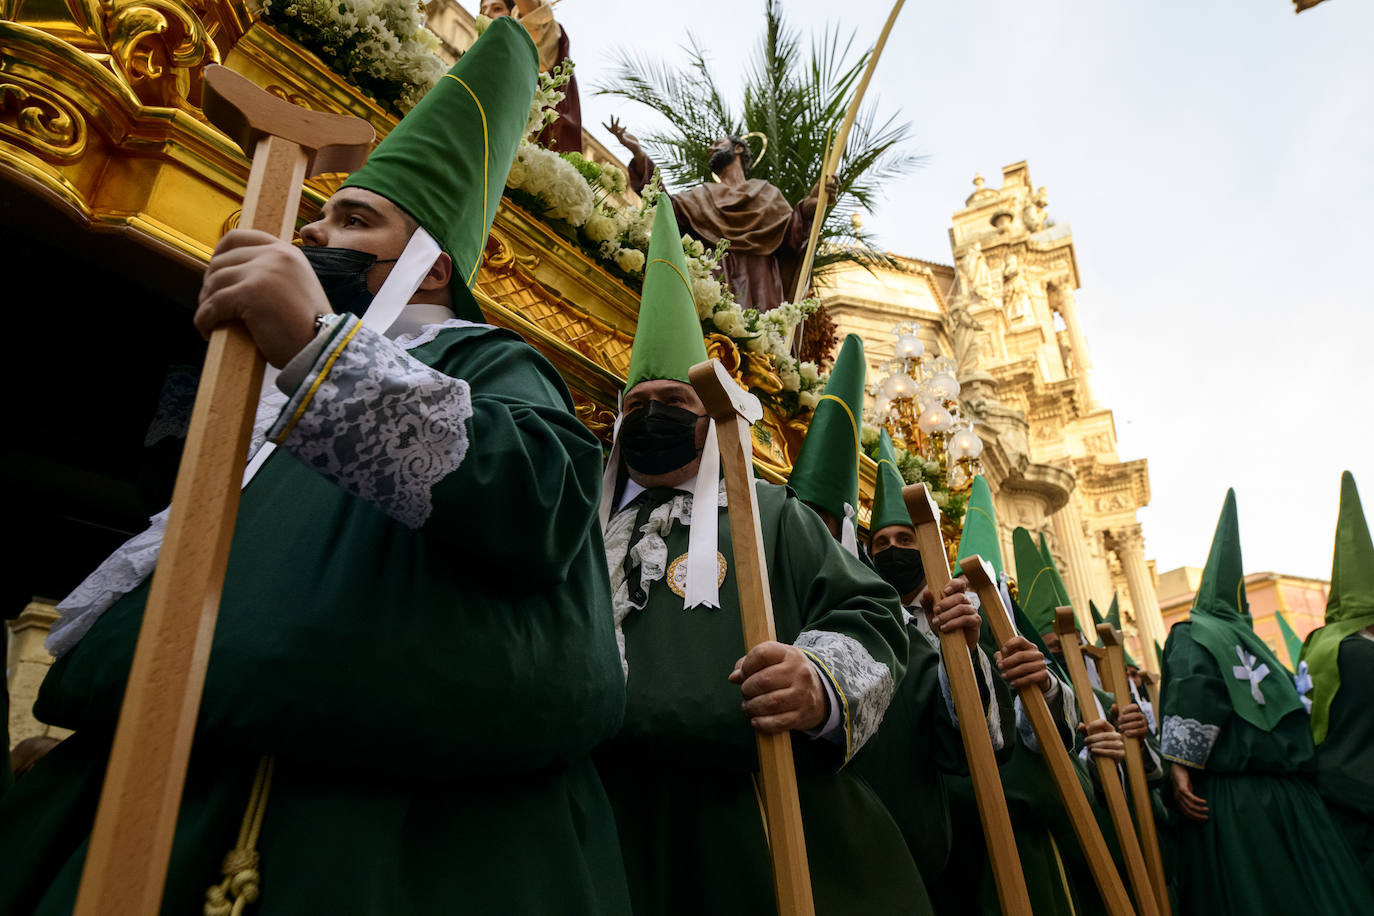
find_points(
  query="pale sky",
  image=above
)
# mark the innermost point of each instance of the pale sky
(1213, 159)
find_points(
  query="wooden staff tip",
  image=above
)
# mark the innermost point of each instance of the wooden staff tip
(247, 113)
(978, 572)
(721, 395)
(920, 505)
(1064, 623)
(1109, 634)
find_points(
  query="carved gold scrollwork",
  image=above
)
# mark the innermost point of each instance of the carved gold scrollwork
(595, 416)
(295, 98)
(35, 119)
(160, 47)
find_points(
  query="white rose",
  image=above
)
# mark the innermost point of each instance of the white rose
(630, 260)
(705, 293)
(808, 399)
(810, 372)
(602, 227)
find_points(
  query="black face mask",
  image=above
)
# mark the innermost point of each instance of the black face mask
(901, 568)
(658, 438)
(343, 274)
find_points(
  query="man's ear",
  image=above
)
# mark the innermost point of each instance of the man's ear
(439, 273)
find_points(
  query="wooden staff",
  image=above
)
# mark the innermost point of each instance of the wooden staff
(1099, 856)
(1144, 894)
(131, 840)
(733, 409)
(1151, 682)
(1113, 670)
(831, 161)
(968, 705)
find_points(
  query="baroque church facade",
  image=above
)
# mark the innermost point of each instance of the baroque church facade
(1008, 314)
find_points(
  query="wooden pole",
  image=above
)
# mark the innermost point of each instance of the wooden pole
(1069, 644)
(968, 704)
(131, 840)
(733, 409)
(1151, 681)
(1114, 681)
(1099, 856)
(831, 163)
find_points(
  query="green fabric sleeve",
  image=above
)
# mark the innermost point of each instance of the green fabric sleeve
(851, 620)
(1196, 703)
(532, 473)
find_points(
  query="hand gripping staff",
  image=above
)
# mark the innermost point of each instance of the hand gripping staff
(982, 763)
(1113, 668)
(1106, 769)
(980, 577)
(131, 840)
(733, 410)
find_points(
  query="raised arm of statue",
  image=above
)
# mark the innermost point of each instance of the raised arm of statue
(641, 166)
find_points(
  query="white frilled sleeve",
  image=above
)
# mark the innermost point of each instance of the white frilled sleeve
(376, 421)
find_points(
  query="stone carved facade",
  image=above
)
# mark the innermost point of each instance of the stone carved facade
(1009, 316)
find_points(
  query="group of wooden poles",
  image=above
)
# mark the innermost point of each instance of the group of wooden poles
(132, 837)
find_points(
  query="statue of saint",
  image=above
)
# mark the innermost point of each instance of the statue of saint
(767, 235)
(1036, 213)
(964, 339)
(1015, 291)
(565, 134)
(975, 280)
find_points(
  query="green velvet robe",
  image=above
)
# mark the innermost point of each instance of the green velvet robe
(918, 747)
(1269, 846)
(681, 773)
(431, 693)
(1345, 760)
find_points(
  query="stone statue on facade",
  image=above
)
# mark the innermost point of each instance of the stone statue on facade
(767, 235)
(1036, 213)
(975, 279)
(1015, 290)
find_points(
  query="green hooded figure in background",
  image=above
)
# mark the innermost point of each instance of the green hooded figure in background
(1340, 661)
(1255, 836)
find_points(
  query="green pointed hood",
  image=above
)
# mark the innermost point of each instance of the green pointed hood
(1060, 589)
(1292, 643)
(1220, 623)
(1349, 604)
(888, 506)
(1097, 615)
(668, 339)
(1036, 592)
(446, 162)
(1114, 618)
(826, 472)
(980, 535)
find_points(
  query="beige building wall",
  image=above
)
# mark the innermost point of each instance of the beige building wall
(1007, 312)
(26, 662)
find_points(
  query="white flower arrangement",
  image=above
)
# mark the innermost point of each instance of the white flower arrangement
(381, 46)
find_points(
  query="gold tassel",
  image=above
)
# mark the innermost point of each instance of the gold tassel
(241, 884)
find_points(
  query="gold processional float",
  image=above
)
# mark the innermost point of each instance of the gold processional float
(100, 122)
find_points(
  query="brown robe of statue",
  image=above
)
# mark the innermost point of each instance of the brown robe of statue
(767, 234)
(565, 134)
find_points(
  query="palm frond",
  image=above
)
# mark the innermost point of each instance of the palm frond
(798, 98)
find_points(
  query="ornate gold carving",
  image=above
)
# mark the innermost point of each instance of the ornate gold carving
(502, 279)
(39, 121)
(160, 46)
(295, 98)
(597, 417)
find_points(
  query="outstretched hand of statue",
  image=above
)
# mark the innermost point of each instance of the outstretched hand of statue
(627, 139)
(832, 187)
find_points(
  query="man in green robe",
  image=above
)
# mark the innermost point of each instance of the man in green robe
(919, 745)
(1255, 837)
(416, 567)
(681, 772)
(1340, 661)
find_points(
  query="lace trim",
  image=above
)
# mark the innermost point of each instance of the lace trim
(1188, 741)
(126, 568)
(865, 685)
(379, 423)
(431, 331)
(651, 553)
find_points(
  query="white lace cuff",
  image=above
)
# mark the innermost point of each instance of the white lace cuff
(1188, 741)
(863, 683)
(378, 422)
(982, 671)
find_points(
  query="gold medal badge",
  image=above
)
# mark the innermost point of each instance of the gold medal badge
(677, 574)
